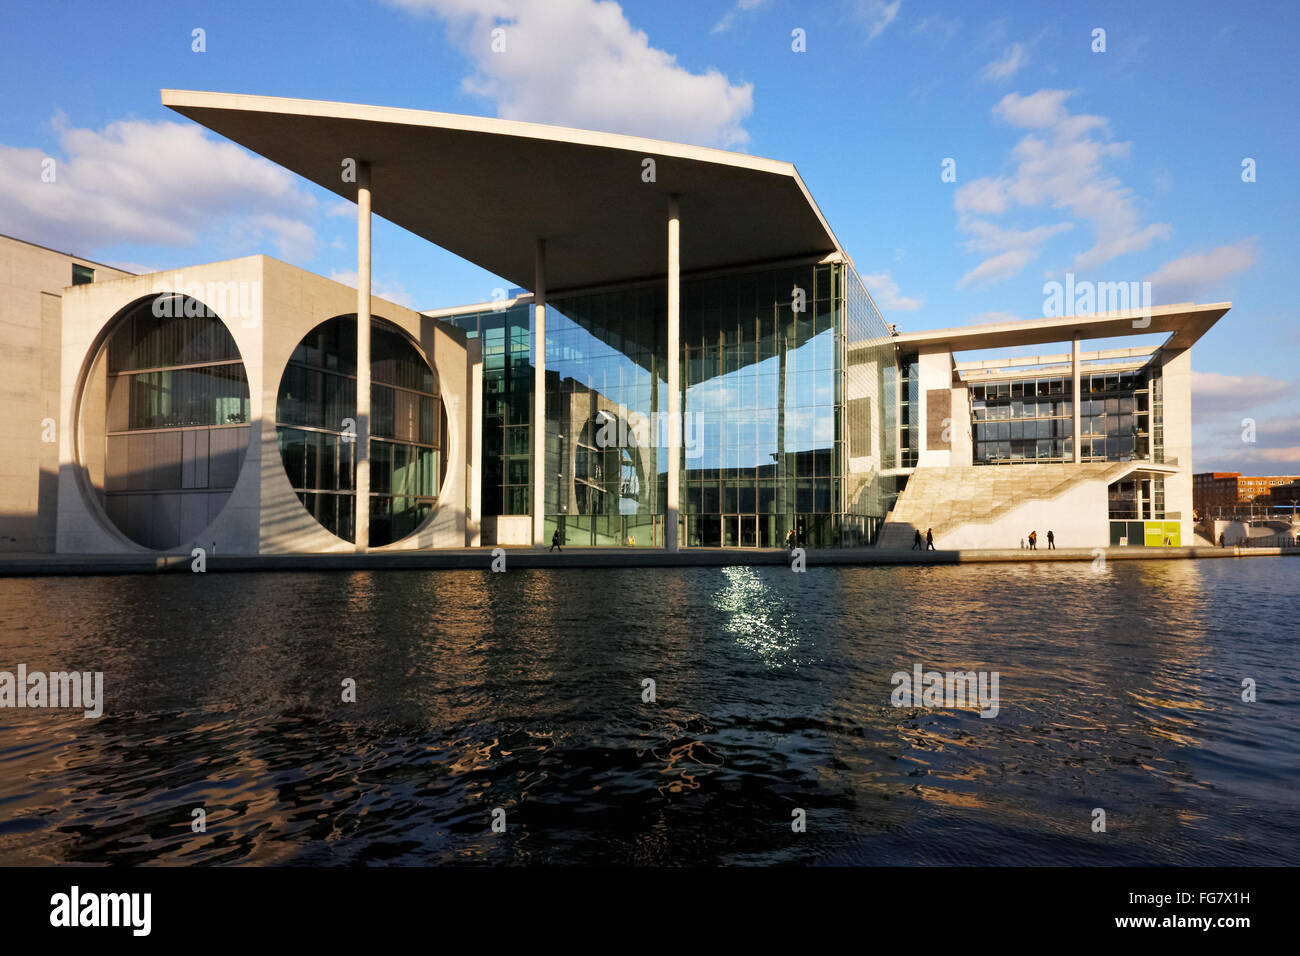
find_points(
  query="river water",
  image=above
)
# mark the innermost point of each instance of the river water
(519, 697)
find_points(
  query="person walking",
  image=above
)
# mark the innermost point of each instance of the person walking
(1033, 540)
(789, 539)
(929, 539)
(1051, 540)
(916, 541)
(555, 542)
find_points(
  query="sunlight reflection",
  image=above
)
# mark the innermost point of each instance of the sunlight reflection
(758, 618)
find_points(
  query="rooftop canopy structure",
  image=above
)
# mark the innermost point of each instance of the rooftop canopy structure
(1184, 322)
(469, 184)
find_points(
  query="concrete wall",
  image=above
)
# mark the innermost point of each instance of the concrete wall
(1077, 516)
(934, 370)
(1176, 369)
(508, 529)
(32, 282)
(262, 514)
(963, 443)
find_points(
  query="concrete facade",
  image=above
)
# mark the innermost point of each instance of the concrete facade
(33, 281)
(262, 514)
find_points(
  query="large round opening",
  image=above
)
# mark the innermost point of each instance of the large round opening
(164, 420)
(316, 425)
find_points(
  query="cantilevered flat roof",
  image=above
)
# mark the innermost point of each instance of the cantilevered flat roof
(486, 189)
(1185, 322)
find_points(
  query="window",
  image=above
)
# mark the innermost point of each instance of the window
(82, 275)
(318, 394)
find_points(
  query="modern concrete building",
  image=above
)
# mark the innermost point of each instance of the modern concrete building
(698, 364)
(1093, 446)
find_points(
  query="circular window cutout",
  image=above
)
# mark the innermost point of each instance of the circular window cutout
(315, 418)
(164, 420)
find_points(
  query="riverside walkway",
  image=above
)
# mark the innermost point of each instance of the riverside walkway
(481, 559)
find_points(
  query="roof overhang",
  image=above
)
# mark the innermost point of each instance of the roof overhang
(487, 189)
(1184, 322)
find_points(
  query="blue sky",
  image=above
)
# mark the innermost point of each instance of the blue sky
(1122, 165)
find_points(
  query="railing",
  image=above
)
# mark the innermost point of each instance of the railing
(1270, 541)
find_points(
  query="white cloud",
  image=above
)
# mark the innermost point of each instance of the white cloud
(1013, 60)
(154, 183)
(1277, 443)
(1184, 278)
(729, 18)
(580, 63)
(1011, 249)
(1061, 165)
(999, 268)
(884, 290)
(392, 291)
(1215, 394)
(876, 15)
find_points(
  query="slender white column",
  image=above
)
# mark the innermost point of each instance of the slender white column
(539, 394)
(1075, 400)
(674, 373)
(474, 419)
(362, 444)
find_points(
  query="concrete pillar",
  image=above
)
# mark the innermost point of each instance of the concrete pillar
(674, 374)
(1075, 400)
(474, 442)
(539, 394)
(363, 358)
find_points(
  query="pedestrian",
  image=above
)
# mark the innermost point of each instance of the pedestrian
(1051, 540)
(929, 539)
(789, 539)
(555, 542)
(1033, 540)
(1223, 539)
(916, 541)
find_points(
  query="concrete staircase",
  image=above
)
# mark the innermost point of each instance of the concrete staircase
(944, 499)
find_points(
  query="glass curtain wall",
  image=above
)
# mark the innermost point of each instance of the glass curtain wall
(765, 421)
(764, 414)
(176, 428)
(407, 428)
(606, 416)
(909, 411)
(1031, 419)
(506, 336)
(871, 376)
(761, 363)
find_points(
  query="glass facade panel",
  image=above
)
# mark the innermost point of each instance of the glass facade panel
(1115, 424)
(176, 424)
(407, 422)
(506, 336)
(765, 416)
